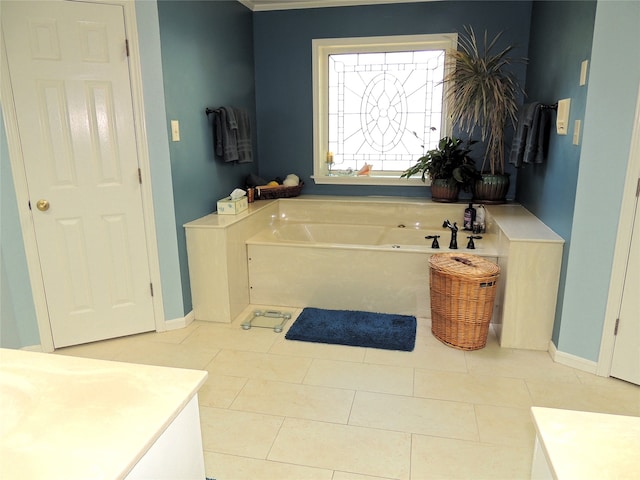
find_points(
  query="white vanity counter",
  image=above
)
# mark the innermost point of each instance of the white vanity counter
(584, 445)
(76, 418)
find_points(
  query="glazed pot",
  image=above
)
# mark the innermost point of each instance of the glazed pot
(445, 190)
(491, 189)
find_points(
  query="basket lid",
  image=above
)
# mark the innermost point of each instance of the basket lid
(463, 264)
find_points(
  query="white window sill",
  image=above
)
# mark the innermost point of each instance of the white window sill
(369, 180)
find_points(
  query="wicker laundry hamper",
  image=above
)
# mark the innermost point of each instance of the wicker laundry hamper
(463, 291)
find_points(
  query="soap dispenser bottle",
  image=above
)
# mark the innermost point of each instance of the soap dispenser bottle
(469, 217)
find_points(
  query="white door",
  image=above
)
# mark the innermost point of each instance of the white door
(626, 352)
(70, 79)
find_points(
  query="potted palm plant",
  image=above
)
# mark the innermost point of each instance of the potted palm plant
(483, 93)
(449, 167)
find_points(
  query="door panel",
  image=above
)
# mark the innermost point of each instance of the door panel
(70, 80)
(626, 353)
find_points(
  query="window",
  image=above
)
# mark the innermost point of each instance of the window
(378, 101)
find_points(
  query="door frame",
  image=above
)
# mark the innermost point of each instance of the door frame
(16, 160)
(621, 252)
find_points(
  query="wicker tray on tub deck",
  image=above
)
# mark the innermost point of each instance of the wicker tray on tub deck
(463, 290)
(270, 193)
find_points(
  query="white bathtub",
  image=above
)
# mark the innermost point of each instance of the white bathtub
(379, 267)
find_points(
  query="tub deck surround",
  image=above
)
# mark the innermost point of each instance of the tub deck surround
(369, 253)
(75, 418)
(217, 259)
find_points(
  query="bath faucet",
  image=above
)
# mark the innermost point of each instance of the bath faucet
(435, 243)
(472, 245)
(453, 244)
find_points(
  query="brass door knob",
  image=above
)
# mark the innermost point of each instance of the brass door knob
(43, 205)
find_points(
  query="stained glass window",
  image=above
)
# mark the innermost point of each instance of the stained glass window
(385, 109)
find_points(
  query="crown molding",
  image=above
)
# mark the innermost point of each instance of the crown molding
(262, 5)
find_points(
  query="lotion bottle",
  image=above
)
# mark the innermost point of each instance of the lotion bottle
(469, 217)
(480, 218)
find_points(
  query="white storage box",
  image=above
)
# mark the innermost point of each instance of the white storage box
(229, 206)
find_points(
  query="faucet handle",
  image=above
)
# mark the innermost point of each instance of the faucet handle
(435, 243)
(471, 245)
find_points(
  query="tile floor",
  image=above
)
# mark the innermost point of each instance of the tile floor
(280, 409)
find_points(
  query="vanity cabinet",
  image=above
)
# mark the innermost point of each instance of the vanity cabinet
(76, 418)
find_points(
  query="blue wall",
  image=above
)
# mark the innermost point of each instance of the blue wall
(561, 37)
(207, 61)
(18, 324)
(284, 78)
(610, 113)
(158, 145)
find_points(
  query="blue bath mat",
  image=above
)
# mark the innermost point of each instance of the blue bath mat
(355, 328)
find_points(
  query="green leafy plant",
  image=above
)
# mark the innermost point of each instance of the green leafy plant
(450, 160)
(483, 93)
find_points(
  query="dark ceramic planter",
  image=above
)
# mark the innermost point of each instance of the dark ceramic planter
(444, 190)
(491, 189)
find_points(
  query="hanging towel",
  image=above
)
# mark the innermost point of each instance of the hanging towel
(245, 150)
(232, 134)
(225, 134)
(532, 135)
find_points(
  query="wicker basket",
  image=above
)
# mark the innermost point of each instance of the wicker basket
(463, 290)
(270, 193)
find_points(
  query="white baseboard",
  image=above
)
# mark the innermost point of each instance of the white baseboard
(571, 360)
(32, 348)
(181, 322)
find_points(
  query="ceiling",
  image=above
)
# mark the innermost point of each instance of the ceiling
(263, 5)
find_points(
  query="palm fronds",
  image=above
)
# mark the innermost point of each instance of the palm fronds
(482, 92)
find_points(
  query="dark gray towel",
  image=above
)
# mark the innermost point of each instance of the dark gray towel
(532, 135)
(245, 149)
(225, 135)
(232, 136)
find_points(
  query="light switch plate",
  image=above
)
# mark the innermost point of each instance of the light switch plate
(175, 130)
(576, 132)
(583, 72)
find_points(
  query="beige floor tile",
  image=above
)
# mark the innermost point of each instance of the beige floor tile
(259, 365)
(589, 398)
(172, 336)
(292, 400)
(415, 415)
(282, 346)
(220, 390)
(238, 433)
(428, 353)
(167, 355)
(511, 427)
(527, 364)
(354, 476)
(346, 448)
(231, 467)
(105, 350)
(361, 376)
(232, 337)
(464, 387)
(444, 458)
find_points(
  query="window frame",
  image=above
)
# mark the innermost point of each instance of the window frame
(321, 49)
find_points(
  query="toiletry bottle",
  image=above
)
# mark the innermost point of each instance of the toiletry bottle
(469, 217)
(480, 218)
